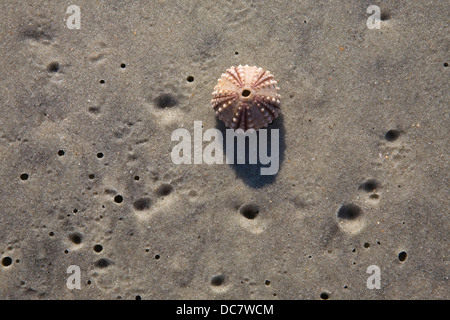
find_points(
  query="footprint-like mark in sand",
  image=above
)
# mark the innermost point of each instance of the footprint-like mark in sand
(142, 204)
(100, 53)
(393, 151)
(371, 187)
(351, 215)
(146, 206)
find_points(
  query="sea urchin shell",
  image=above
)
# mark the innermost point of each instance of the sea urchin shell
(246, 98)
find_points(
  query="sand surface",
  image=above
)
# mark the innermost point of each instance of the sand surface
(87, 179)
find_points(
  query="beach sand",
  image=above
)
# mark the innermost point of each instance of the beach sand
(87, 178)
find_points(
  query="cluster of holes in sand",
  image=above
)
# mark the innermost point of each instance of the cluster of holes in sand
(402, 256)
(371, 186)
(7, 261)
(249, 211)
(220, 279)
(191, 78)
(122, 66)
(77, 239)
(140, 204)
(351, 212)
(25, 176)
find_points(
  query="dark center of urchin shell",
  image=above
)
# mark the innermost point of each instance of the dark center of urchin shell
(246, 93)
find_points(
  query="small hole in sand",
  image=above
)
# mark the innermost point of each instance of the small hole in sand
(53, 67)
(6, 261)
(218, 280)
(402, 256)
(118, 199)
(392, 135)
(24, 176)
(250, 211)
(76, 238)
(324, 296)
